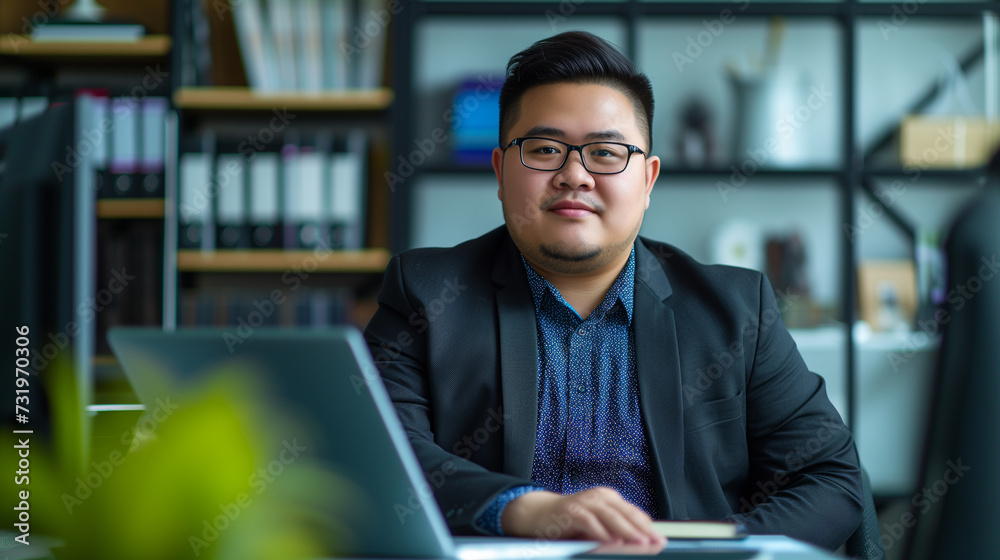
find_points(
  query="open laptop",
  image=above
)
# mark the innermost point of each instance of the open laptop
(326, 379)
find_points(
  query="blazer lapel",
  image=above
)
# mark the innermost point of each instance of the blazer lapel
(518, 363)
(659, 374)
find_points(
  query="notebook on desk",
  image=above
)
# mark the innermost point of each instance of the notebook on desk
(327, 379)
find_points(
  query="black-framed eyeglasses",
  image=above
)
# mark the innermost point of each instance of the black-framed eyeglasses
(546, 154)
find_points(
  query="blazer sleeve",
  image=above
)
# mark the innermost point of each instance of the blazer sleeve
(805, 481)
(399, 343)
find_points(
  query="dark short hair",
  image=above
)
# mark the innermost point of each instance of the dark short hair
(575, 57)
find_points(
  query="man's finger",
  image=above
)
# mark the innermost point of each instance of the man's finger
(640, 519)
(589, 523)
(620, 525)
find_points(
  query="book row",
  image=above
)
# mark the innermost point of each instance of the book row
(124, 140)
(300, 197)
(313, 45)
(247, 308)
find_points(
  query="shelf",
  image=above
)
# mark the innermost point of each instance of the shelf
(765, 172)
(673, 8)
(150, 46)
(668, 171)
(105, 360)
(965, 173)
(371, 261)
(243, 99)
(927, 9)
(130, 208)
(450, 8)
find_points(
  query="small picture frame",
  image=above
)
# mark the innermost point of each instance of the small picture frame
(887, 292)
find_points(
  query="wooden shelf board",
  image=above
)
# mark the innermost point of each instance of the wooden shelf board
(22, 45)
(104, 360)
(276, 260)
(130, 208)
(241, 98)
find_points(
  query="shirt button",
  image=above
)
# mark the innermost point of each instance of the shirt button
(581, 388)
(582, 331)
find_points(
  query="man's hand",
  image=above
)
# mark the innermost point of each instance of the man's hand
(599, 514)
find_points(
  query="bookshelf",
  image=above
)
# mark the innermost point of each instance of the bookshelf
(130, 208)
(237, 98)
(149, 47)
(104, 360)
(336, 127)
(369, 261)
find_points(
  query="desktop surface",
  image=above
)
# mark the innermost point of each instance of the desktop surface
(754, 547)
(777, 547)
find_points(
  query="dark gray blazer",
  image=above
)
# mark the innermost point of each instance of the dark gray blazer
(738, 428)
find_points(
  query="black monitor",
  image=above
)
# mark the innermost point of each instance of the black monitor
(36, 251)
(954, 511)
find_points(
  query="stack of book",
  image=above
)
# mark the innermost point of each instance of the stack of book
(303, 197)
(296, 307)
(84, 30)
(129, 277)
(124, 139)
(312, 45)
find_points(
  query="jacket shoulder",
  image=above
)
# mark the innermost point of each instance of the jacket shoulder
(471, 259)
(688, 276)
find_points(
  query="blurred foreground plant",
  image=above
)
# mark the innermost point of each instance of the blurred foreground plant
(211, 482)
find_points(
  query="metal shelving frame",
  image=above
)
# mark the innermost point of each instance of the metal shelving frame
(852, 176)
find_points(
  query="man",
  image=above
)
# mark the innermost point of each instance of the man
(561, 377)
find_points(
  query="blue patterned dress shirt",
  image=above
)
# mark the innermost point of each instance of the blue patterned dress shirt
(590, 430)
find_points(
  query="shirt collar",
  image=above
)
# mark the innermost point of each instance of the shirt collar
(622, 291)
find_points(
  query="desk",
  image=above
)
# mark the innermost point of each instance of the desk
(775, 547)
(770, 547)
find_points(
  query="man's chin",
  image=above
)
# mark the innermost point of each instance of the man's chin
(581, 254)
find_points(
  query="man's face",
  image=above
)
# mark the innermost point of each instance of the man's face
(570, 220)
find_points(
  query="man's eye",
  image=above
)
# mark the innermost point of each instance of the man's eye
(547, 150)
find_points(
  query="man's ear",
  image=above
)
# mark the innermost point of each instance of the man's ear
(652, 172)
(498, 170)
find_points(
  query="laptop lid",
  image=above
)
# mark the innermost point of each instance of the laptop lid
(326, 379)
